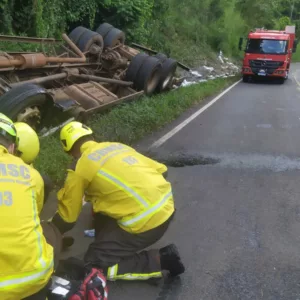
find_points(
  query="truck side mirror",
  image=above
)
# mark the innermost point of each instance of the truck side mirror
(240, 43)
(295, 45)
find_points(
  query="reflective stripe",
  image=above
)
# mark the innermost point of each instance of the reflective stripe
(37, 223)
(112, 272)
(148, 212)
(25, 279)
(117, 182)
(131, 276)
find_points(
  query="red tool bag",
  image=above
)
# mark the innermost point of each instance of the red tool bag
(94, 287)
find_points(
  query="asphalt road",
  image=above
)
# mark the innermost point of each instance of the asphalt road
(238, 209)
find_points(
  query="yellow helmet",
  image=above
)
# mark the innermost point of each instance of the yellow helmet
(7, 129)
(72, 132)
(29, 144)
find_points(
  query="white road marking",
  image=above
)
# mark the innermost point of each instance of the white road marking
(295, 77)
(167, 136)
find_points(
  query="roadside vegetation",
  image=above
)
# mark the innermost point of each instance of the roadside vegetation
(190, 30)
(130, 122)
(296, 56)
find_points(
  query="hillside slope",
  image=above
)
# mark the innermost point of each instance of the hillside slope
(191, 30)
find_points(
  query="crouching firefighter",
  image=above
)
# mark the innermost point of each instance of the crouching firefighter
(132, 203)
(26, 255)
(28, 150)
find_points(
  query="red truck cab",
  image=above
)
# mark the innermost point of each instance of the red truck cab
(268, 53)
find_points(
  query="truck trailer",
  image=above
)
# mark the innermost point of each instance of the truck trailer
(268, 53)
(50, 81)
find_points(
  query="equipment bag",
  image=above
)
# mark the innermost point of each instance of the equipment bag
(94, 287)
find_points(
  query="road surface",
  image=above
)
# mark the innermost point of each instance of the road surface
(238, 209)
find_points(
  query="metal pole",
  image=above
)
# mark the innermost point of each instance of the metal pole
(42, 79)
(103, 79)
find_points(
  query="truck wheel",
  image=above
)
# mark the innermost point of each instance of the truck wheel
(76, 33)
(245, 78)
(90, 39)
(104, 28)
(148, 76)
(135, 66)
(167, 74)
(162, 57)
(26, 103)
(113, 37)
(281, 80)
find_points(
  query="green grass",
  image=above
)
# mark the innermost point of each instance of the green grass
(296, 56)
(130, 122)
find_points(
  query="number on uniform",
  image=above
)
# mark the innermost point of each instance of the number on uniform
(6, 198)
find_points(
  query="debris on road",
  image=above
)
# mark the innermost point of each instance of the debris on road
(90, 233)
(204, 73)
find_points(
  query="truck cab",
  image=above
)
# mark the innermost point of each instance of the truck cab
(268, 53)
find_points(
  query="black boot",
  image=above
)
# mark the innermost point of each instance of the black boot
(170, 260)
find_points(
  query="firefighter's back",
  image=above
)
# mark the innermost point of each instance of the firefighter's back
(26, 260)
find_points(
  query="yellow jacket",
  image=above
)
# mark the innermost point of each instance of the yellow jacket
(120, 183)
(26, 260)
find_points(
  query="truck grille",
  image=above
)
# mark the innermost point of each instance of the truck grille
(269, 65)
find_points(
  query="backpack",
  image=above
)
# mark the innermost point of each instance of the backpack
(93, 287)
(78, 282)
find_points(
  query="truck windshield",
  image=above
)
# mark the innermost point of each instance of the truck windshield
(266, 46)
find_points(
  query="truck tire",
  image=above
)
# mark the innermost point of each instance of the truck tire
(245, 78)
(135, 66)
(21, 98)
(113, 37)
(88, 39)
(148, 76)
(76, 33)
(104, 28)
(162, 57)
(167, 74)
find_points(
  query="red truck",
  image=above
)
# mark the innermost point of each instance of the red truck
(268, 53)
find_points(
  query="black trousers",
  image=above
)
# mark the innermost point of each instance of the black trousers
(48, 186)
(117, 251)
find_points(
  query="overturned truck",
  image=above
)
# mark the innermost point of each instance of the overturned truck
(84, 73)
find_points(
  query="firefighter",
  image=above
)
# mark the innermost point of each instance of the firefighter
(28, 149)
(26, 259)
(132, 203)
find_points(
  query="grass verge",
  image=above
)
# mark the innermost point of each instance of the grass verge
(130, 122)
(296, 55)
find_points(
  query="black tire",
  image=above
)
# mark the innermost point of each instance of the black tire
(104, 29)
(148, 76)
(167, 74)
(76, 33)
(135, 66)
(114, 37)
(245, 78)
(162, 57)
(88, 39)
(16, 100)
(281, 80)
